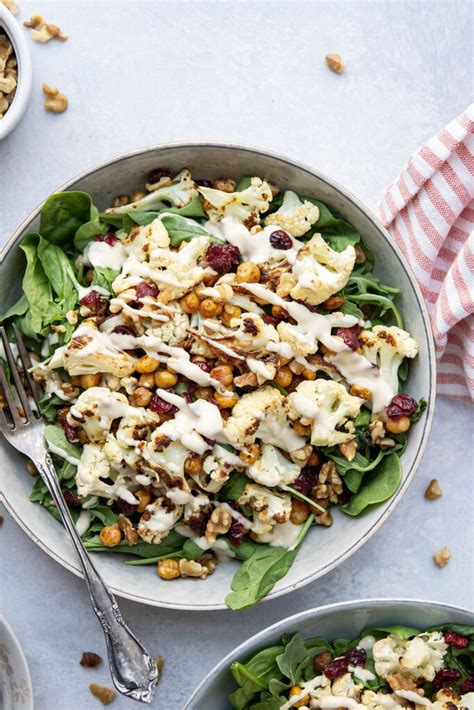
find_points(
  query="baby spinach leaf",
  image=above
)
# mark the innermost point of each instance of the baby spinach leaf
(338, 233)
(56, 438)
(191, 550)
(192, 209)
(182, 229)
(234, 487)
(289, 661)
(104, 277)
(462, 629)
(152, 560)
(60, 273)
(170, 544)
(244, 550)
(421, 408)
(18, 309)
(379, 486)
(268, 704)
(243, 184)
(399, 630)
(63, 214)
(36, 286)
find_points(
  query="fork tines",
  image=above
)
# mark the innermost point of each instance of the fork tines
(17, 384)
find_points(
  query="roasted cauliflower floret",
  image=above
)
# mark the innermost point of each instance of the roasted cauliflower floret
(136, 426)
(321, 271)
(173, 331)
(385, 347)
(447, 698)
(158, 519)
(294, 216)
(252, 332)
(95, 410)
(345, 686)
(92, 468)
(418, 658)
(141, 241)
(178, 192)
(328, 406)
(166, 458)
(300, 343)
(252, 201)
(268, 507)
(272, 468)
(261, 415)
(90, 351)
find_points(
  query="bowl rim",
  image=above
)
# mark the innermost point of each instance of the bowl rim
(308, 614)
(20, 101)
(431, 395)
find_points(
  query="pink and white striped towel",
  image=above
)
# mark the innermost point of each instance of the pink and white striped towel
(429, 211)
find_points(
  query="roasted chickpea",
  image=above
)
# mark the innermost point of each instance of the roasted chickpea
(138, 195)
(192, 465)
(358, 391)
(251, 454)
(203, 392)
(210, 279)
(144, 498)
(209, 308)
(334, 302)
(141, 397)
(76, 380)
(168, 569)
(110, 535)
(398, 426)
(229, 313)
(278, 311)
(283, 377)
(190, 303)
(301, 429)
(226, 401)
(224, 374)
(121, 200)
(146, 380)
(248, 272)
(308, 374)
(91, 380)
(165, 379)
(299, 511)
(146, 364)
(296, 690)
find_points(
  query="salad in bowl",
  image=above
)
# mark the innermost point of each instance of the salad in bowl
(221, 370)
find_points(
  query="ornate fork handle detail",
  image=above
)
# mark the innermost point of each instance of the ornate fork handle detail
(133, 670)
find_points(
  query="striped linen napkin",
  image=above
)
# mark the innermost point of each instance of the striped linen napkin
(429, 211)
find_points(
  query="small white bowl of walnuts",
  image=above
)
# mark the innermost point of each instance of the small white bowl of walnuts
(15, 72)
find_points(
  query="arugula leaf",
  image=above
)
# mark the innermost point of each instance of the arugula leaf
(379, 486)
(104, 277)
(338, 233)
(56, 438)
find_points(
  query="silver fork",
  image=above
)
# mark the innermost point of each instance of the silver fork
(133, 670)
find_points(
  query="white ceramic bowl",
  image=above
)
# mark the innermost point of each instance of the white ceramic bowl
(325, 548)
(343, 620)
(18, 106)
(16, 690)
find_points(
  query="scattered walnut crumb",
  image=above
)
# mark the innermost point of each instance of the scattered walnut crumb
(160, 662)
(54, 100)
(335, 63)
(31, 468)
(8, 73)
(90, 659)
(441, 557)
(105, 695)
(42, 31)
(10, 5)
(433, 492)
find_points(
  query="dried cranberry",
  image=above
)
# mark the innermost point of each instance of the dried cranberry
(306, 480)
(91, 299)
(236, 532)
(467, 686)
(70, 498)
(145, 289)
(445, 677)
(222, 257)
(280, 240)
(454, 639)
(203, 365)
(160, 406)
(270, 319)
(123, 330)
(108, 238)
(90, 659)
(350, 336)
(125, 507)
(336, 668)
(188, 397)
(158, 173)
(209, 442)
(402, 405)
(356, 656)
(71, 433)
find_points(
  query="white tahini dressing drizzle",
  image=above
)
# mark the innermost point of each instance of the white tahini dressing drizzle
(361, 673)
(282, 535)
(119, 302)
(83, 522)
(192, 422)
(356, 369)
(367, 643)
(59, 452)
(317, 682)
(413, 697)
(254, 247)
(108, 256)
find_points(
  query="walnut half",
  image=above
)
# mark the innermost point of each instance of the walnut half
(219, 523)
(54, 100)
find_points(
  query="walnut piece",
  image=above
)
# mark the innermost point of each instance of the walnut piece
(10, 5)
(348, 449)
(90, 659)
(335, 63)
(433, 492)
(8, 74)
(285, 284)
(42, 31)
(399, 682)
(249, 379)
(219, 523)
(195, 568)
(441, 557)
(377, 431)
(329, 483)
(129, 532)
(105, 695)
(54, 100)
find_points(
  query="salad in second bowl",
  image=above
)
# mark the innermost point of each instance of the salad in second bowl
(384, 669)
(221, 367)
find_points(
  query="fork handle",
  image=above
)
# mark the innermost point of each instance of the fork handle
(134, 671)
